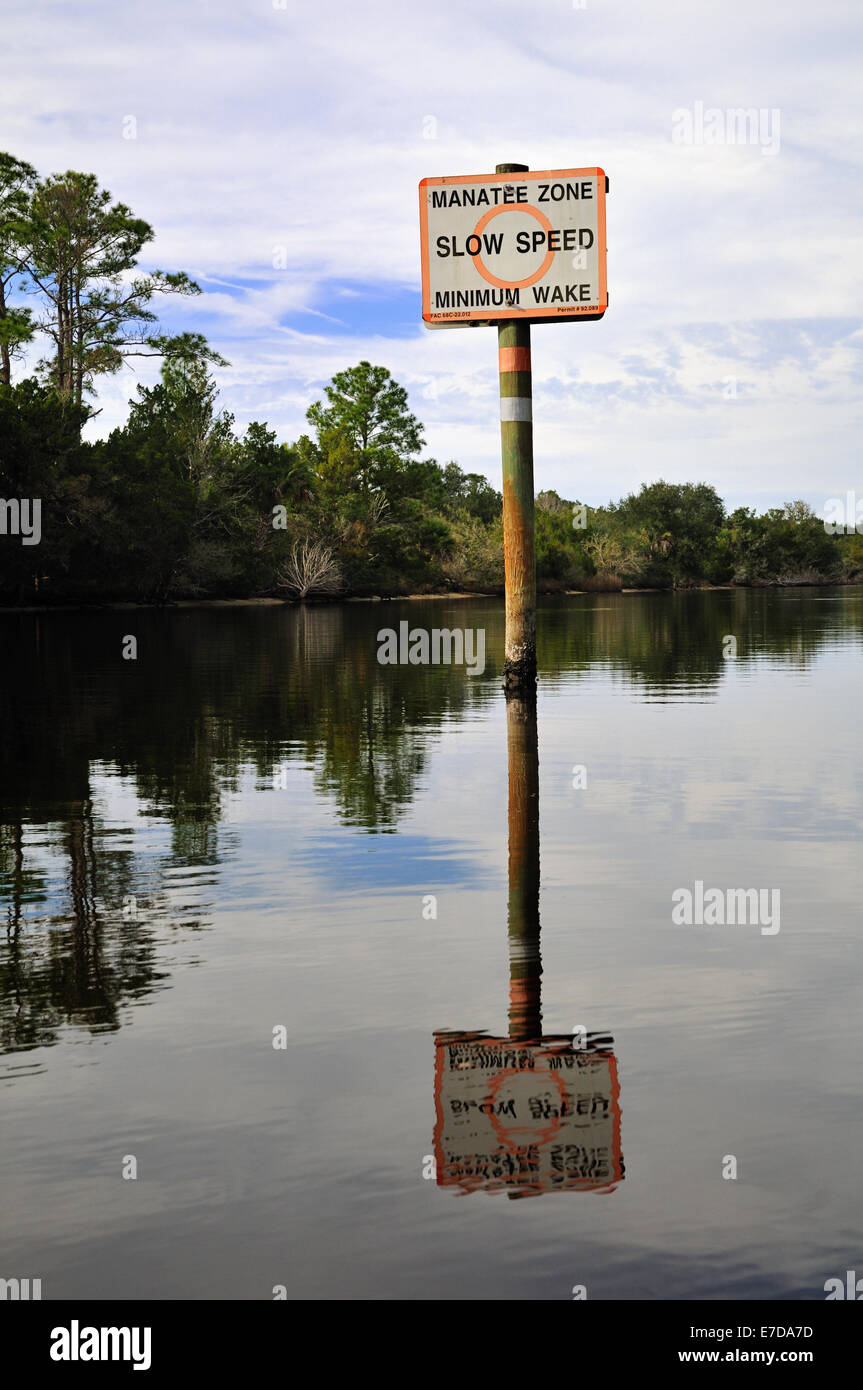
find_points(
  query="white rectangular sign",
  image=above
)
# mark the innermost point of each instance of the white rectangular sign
(525, 1117)
(513, 246)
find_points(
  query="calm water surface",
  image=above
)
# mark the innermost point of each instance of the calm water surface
(243, 830)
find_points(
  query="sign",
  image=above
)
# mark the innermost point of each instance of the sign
(525, 1118)
(513, 246)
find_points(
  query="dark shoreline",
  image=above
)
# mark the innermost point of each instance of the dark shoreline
(173, 605)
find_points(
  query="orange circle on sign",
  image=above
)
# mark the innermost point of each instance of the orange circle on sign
(529, 279)
(540, 1137)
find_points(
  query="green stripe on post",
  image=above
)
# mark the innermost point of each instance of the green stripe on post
(516, 383)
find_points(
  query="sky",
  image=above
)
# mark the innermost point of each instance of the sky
(276, 149)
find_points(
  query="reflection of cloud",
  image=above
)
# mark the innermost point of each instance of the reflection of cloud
(385, 863)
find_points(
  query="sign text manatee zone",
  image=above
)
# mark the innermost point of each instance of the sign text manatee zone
(510, 246)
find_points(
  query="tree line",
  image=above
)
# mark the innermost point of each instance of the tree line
(176, 504)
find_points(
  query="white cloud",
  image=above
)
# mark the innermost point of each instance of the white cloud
(303, 128)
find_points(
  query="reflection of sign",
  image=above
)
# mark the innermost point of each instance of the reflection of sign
(525, 1117)
(504, 246)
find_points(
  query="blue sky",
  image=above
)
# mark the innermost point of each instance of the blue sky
(294, 136)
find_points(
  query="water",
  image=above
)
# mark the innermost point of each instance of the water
(242, 830)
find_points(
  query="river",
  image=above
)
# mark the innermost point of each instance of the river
(267, 900)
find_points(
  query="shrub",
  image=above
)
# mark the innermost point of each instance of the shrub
(310, 568)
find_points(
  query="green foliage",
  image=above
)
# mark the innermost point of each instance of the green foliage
(560, 555)
(175, 505)
(64, 239)
(671, 527)
(41, 458)
(785, 544)
(474, 560)
(367, 411)
(147, 523)
(469, 495)
(17, 180)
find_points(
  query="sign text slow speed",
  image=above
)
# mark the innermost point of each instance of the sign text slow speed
(513, 246)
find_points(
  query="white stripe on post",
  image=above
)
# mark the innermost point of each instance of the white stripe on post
(516, 408)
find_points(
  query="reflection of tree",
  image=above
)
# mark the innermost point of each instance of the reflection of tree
(74, 965)
(663, 640)
(363, 728)
(214, 693)
(205, 698)
(17, 1020)
(82, 978)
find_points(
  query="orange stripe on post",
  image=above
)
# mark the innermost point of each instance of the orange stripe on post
(514, 359)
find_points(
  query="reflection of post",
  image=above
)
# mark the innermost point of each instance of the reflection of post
(525, 965)
(525, 1114)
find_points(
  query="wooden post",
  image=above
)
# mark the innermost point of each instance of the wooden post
(516, 433)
